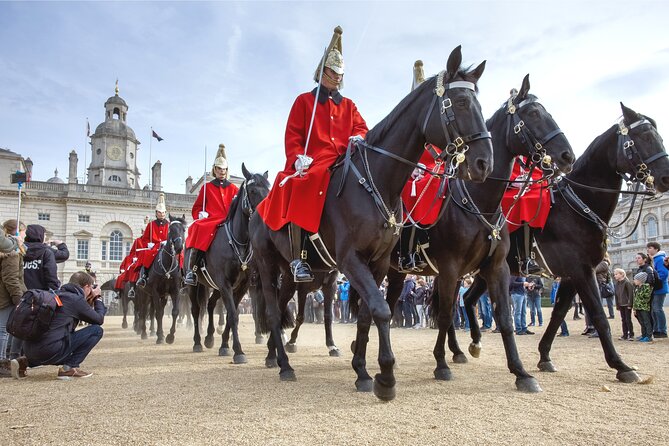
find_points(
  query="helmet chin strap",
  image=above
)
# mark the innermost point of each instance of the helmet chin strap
(331, 79)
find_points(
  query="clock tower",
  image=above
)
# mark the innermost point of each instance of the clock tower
(114, 148)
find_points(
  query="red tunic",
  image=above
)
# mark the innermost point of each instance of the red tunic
(155, 232)
(301, 199)
(127, 271)
(426, 210)
(533, 207)
(217, 203)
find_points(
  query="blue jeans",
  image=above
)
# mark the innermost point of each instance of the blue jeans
(519, 302)
(535, 307)
(657, 311)
(4, 316)
(81, 343)
(344, 311)
(486, 310)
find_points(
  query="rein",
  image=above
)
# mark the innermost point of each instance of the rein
(170, 251)
(235, 244)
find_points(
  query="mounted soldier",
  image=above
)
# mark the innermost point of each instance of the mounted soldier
(148, 244)
(319, 127)
(209, 210)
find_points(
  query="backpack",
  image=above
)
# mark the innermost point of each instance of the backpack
(32, 316)
(657, 283)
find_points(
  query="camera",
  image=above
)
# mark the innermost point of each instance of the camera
(19, 177)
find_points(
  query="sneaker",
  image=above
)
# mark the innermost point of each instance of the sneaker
(593, 335)
(18, 367)
(623, 338)
(563, 334)
(577, 318)
(528, 332)
(660, 335)
(496, 330)
(644, 339)
(73, 373)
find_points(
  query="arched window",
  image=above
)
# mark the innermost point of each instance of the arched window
(651, 227)
(116, 246)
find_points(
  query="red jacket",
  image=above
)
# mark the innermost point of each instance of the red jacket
(217, 204)
(426, 210)
(532, 207)
(301, 199)
(155, 232)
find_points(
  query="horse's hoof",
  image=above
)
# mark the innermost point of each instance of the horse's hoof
(260, 340)
(160, 340)
(224, 351)
(335, 353)
(384, 393)
(547, 366)
(124, 324)
(239, 359)
(353, 345)
(475, 349)
(144, 336)
(364, 385)
(219, 329)
(528, 385)
(628, 377)
(460, 358)
(271, 363)
(443, 374)
(197, 348)
(288, 375)
(291, 348)
(152, 333)
(209, 341)
(170, 338)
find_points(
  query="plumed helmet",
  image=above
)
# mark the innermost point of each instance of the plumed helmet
(220, 161)
(160, 207)
(418, 74)
(334, 58)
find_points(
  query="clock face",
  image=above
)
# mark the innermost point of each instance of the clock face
(114, 153)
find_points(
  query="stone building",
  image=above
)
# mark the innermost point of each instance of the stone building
(97, 220)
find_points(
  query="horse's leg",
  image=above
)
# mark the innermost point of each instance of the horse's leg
(219, 311)
(497, 274)
(174, 294)
(565, 295)
(471, 298)
(159, 303)
(362, 279)
(589, 293)
(445, 291)
(291, 346)
(270, 359)
(152, 316)
(143, 307)
(124, 306)
(329, 289)
(232, 325)
(196, 294)
(364, 381)
(209, 339)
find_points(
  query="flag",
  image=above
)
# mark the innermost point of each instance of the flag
(88, 128)
(155, 135)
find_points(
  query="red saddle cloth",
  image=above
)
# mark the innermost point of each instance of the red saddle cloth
(532, 207)
(421, 202)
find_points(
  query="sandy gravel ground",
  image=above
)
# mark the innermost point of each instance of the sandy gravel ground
(142, 393)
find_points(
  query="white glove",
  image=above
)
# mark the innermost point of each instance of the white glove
(356, 138)
(134, 259)
(302, 163)
(163, 243)
(150, 245)
(202, 214)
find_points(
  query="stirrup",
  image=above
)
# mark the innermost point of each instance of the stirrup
(141, 282)
(190, 278)
(529, 266)
(406, 265)
(301, 271)
(131, 293)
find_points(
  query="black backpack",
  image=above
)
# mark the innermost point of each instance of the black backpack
(657, 283)
(32, 316)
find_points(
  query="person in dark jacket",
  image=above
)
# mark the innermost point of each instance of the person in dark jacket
(39, 264)
(61, 344)
(11, 290)
(624, 291)
(60, 251)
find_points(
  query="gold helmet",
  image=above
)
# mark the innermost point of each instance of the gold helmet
(334, 58)
(418, 74)
(160, 207)
(220, 161)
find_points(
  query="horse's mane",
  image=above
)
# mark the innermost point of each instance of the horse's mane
(390, 121)
(584, 159)
(235, 202)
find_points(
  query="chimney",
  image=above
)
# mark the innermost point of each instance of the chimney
(189, 184)
(72, 178)
(29, 166)
(155, 176)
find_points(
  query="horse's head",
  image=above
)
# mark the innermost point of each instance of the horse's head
(532, 132)
(641, 152)
(254, 189)
(177, 232)
(454, 121)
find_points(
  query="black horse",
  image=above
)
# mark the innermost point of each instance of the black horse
(359, 222)
(468, 236)
(164, 279)
(227, 261)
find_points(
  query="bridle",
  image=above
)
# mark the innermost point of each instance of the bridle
(639, 166)
(174, 264)
(236, 245)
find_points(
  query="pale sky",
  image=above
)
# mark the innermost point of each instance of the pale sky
(204, 73)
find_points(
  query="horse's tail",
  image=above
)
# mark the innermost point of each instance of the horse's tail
(353, 303)
(434, 305)
(259, 306)
(288, 318)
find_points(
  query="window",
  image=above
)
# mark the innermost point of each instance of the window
(82, 249)
(116, 246)
(127, 248)
(651, 227)
(115, 178)
(43, 216)
(104, 249)
(84, 218)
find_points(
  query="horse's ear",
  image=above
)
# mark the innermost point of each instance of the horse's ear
(478, 71)
(525, 87)
(630, 115)
(454, 61)
(183, 216)
(246, 173)
(266, 174)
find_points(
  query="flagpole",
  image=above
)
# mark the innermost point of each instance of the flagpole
(204, 181)
(150, 187)
(88, 134)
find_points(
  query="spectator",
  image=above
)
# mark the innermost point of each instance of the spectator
(517, 287)
(485, 310)
(564, 330)
(11, 290)
(624, 297)
(60, 251)
(643, 294)
(419, 301)
(534, 288)
(343, 300)
(61, 344)
(460, 307)
(318, 305)
(659, 293)
(407, 297)
(603, 274)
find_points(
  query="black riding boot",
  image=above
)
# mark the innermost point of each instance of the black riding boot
(528, 265)
(191, 258)
(300, 268)
(141, 282)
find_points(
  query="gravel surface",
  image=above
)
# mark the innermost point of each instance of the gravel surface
(143, 393)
